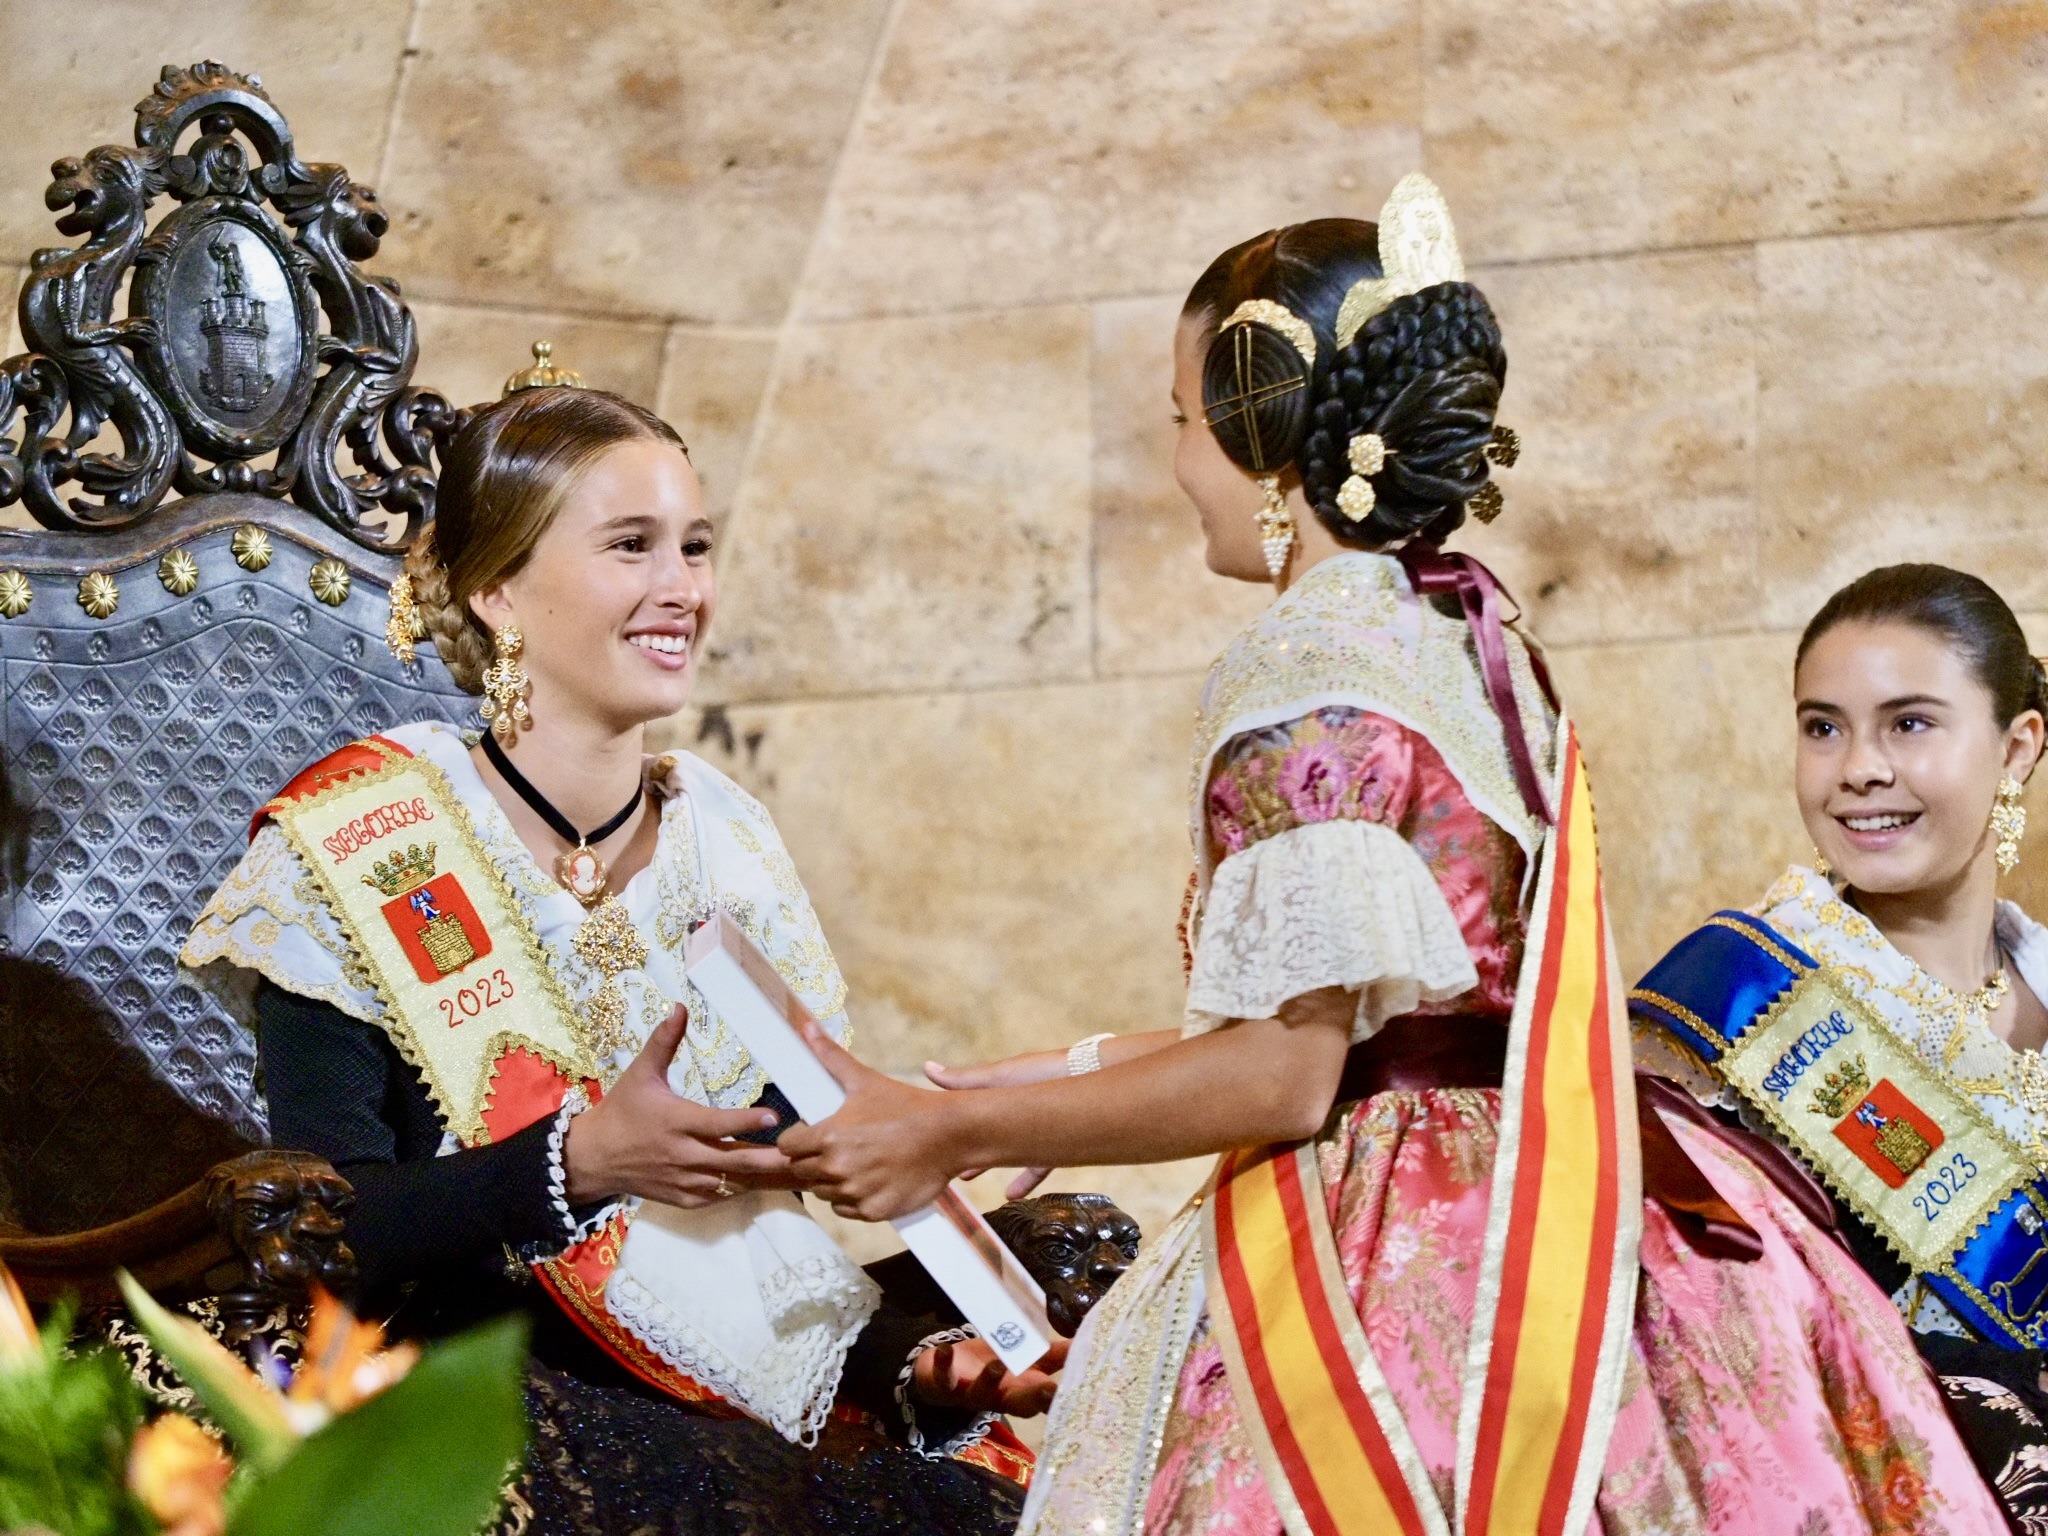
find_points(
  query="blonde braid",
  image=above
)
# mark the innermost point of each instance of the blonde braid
(459, 640)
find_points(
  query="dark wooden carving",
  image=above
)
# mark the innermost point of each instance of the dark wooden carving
(252, 330)
(1075, 1246)
(258, 1231)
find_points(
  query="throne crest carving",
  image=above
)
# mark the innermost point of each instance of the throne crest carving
(217, 428)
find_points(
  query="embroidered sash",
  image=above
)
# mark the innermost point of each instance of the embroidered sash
(1895, 1140)
(1557, 1284)
(468, 997)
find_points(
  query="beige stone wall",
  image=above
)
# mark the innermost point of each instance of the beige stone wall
(905, 271)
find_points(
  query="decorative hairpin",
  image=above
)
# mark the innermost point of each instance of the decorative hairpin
(1275, 317)
(1418, 250)
(1505, 447)
(1367, 456)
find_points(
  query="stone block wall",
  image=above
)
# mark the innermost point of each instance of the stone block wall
(905, 274)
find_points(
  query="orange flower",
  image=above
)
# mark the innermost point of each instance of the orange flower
(1864, 1431)
(180, 1474)
(345, 1363)
(1905, 1495)
(18, 1337)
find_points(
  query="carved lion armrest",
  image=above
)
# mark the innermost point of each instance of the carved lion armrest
(1075, 1247)
(283, 1216)
(255, 1232)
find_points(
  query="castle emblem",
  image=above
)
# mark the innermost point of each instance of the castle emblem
(1891, 1134)
(431, 917)
(235, 332)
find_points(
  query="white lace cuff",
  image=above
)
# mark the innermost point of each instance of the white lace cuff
(1331, 904)
(572, 1231)
(981, 1423)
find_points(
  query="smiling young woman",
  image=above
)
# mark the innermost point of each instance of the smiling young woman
(470, 997)
(1901, 997)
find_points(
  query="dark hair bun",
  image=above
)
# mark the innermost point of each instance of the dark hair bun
(1255, 395)
(1425, 374)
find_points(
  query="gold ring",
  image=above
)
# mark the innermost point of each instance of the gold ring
(725, 1190)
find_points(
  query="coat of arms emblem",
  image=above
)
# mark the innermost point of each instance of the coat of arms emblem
(431, 917)
(1891, 1134)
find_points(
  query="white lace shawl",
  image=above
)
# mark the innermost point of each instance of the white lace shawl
(1348, 903)
(774, 1347)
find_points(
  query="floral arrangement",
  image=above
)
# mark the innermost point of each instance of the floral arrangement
(360, 1440)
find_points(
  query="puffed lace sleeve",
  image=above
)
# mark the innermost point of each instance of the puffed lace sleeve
(1340, 846)
(267, 917)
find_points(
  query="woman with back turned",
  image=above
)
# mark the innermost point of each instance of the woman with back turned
(1423, 1291)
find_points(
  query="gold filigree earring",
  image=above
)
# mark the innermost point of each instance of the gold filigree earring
(1821, 866)
(1276, 528)
(506, 686)
(2008, 823)
(405, 626)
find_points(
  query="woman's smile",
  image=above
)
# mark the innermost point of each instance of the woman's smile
(665, 645)
(1876, 831)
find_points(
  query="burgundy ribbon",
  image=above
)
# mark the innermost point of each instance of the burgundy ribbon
(1433, 571)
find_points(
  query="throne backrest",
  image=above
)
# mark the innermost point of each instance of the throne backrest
(166, 664)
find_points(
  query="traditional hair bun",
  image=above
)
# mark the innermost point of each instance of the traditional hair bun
(1425, 375)
(1256, 392)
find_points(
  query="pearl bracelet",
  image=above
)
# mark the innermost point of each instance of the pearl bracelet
(1085, 1056)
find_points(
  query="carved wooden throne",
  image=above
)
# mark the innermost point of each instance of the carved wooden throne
(227, 474)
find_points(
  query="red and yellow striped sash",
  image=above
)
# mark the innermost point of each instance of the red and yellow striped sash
(1556, 1286)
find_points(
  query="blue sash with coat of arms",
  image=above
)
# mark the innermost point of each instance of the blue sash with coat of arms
(1892, 1137)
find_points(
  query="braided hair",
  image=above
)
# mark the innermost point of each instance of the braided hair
(1425, 374)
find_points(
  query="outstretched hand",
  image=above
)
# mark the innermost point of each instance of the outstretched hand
(884, 1152)
(643, 1138)
(968, 1375)
(1010, 1072)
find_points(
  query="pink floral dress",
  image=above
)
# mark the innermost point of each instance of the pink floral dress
(1780, 1395)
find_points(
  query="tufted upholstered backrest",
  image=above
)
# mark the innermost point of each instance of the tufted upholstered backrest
(201, 615)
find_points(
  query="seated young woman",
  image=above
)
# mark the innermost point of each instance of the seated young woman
(1880, 1013)
(469, 996)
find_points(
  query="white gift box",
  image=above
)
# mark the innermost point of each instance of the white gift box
(960, 1250)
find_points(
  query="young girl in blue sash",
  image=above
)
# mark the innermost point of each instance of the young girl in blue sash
(1880, 1013)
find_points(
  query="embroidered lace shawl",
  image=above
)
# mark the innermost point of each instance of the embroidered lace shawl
(1319, 861)
(2010, 1086)
(779, 1356)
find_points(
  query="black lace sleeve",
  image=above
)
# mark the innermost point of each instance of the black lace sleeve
(338, 1087)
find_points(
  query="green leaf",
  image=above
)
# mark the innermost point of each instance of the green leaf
(65, 1428)
(250, 1413)
(424, 1457)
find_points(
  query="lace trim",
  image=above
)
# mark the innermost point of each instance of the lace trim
(792, 1394)
(904, 1404)
(573, 1231)
(2009, 1085)
(262, 919)
(812, 1288)
(1334, 903)
(1352, 631)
